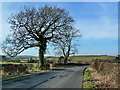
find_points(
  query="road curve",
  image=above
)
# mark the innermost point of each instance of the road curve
(68, 77)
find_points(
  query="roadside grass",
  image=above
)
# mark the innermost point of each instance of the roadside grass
(4, 78)
(14, 76)
(15, 63)
(87, 80)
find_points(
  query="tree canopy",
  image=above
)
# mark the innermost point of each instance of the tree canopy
(66, 43)
(35, 27)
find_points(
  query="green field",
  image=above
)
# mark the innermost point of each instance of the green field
(84, 58)
(74, 59)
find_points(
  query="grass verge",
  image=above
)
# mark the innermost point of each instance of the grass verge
(87, 80)
(9, 77)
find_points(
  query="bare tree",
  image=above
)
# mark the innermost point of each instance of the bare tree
(66, 43)
(35, 27)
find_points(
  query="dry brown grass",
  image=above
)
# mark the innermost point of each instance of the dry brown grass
(104, 81)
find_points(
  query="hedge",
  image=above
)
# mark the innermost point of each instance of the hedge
(9, 69)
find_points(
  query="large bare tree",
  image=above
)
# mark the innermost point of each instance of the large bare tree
(35, 27)
(66, 44)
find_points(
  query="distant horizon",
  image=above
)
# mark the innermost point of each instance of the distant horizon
(70, 55)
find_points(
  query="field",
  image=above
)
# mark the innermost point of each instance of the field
(74, 59)
(84, 58)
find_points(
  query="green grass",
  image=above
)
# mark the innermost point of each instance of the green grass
(80, 58)
(87, 75)
(84, 58)
(87, 80)
(89, 58)
(16, 63)
(8, 77)
(88, 85)
(4, 78)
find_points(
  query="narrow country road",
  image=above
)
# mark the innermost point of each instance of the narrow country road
(68, 77)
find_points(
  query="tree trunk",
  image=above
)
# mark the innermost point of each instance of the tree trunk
(41, 58)
(42, 49)
(67, 55)
(65, 59)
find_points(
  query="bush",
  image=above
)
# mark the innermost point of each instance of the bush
(47, 66)
(32, 61)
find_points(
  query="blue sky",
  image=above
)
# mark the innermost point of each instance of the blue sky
(97, 22)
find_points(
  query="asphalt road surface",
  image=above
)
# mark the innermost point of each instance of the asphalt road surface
(68, 77)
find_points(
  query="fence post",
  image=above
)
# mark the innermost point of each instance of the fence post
(100, 66)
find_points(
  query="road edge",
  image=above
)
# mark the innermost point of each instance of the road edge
(83, 76)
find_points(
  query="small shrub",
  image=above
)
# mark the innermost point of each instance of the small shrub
(47, 66)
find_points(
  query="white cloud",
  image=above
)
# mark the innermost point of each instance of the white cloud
(103, 28)
(98, 30)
